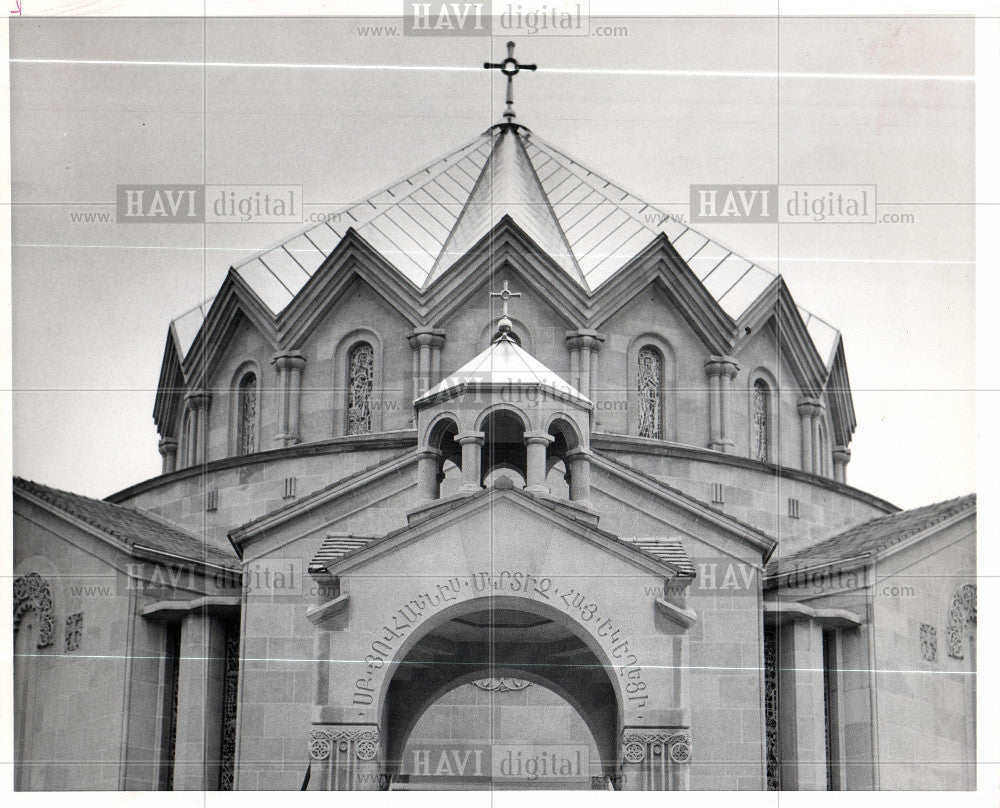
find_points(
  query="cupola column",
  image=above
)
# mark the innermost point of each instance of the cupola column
(578, 461)
(426, 344)
(168, 450)
(537, 443)
(288, 365)
(721, 371)
(428, 474)
(583, 348)
(841, 457)
(807, 408)
(472, 447)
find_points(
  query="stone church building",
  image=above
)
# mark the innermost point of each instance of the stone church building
(498, 479)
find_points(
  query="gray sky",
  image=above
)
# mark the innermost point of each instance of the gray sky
(92, 300)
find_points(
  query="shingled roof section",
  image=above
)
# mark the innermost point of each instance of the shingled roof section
(334, 547)
(130, 526)
(669, 550)
(871, 538)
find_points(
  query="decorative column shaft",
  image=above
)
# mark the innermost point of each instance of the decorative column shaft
(345, 757)
(721, 370)
(817, 452)
(426, 344)
(168, 450)
(428, 471)
(197, 402)
(841, 457)
(578, 461)
(806, 407)
(472, 447)
(583, 347)
(537, 443)
(656, 759)
(289, 366)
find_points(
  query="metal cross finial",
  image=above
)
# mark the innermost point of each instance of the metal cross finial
(504, 324)
(505, 294)
(510, 67)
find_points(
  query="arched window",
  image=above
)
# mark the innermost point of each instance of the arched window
(246, 414)
(760, 415)
(650, 389)
(360, 387)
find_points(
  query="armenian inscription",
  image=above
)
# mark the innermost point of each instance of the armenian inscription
(560, 594)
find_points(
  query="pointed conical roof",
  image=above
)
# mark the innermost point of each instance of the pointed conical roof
(504, 364)
(508, 186)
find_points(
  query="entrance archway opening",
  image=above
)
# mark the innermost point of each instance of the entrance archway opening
(501, 694)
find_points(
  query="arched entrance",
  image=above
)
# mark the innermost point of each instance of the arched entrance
(491, 640)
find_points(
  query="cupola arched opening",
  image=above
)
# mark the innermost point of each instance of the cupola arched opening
(503, 445)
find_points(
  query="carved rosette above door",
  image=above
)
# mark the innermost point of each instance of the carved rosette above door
(345, 757)
(655, 759)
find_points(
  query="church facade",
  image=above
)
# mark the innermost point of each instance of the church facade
(500, 479)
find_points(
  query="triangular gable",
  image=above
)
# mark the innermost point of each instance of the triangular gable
(169, 388)
(797, 345)
(564, 517)
(353, 258)
(506, 245)
(235, 300)
(660, 263)
(838, 391)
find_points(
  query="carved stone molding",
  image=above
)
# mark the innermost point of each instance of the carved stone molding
(324, 741)
(31, 591)
(961, 614)
(928, 642)
(74, 631)
(501, 684)
(637, 746)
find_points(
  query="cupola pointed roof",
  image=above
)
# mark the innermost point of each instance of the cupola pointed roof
(504, 365)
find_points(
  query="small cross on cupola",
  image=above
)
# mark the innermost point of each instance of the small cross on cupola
(504, 326)
(510, 67)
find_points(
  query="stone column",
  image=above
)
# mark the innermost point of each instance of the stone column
(197, 402)
(817, 452)
(841, 457)
(345, 757)
(578, 461)
(428, 471)
(426, 344)
(168, 450)
(806, 407)
(289, 366)
(800, 706)
(583, 347)
(656, 759)
(472, 446)
(537, 443)
(200, 693)
(721, 370)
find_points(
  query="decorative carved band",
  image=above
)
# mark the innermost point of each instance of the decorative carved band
(31, 591)
(636, 746)
(321, 742)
